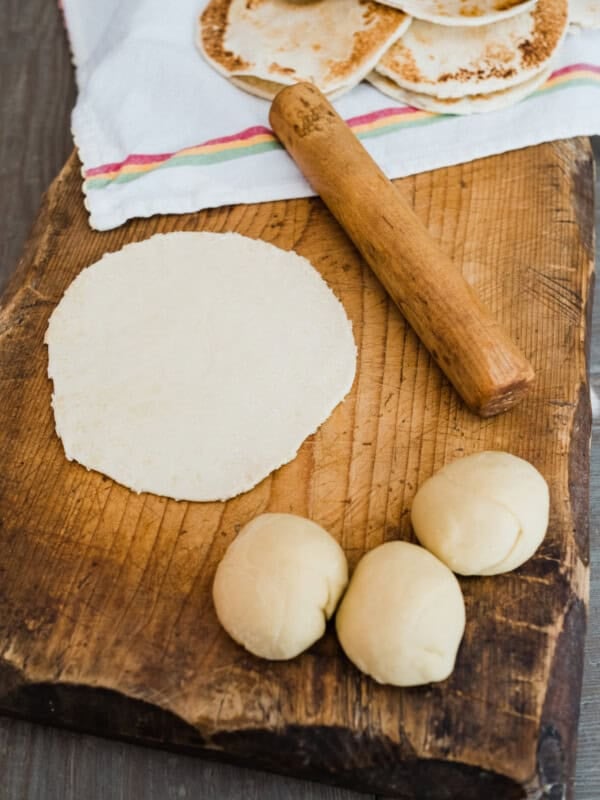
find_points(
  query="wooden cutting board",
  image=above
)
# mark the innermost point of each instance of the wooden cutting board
(106, 620)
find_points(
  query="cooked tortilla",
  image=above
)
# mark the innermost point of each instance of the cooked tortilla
(462, 12)
(331, 44)
(455, 62)
(470, 104)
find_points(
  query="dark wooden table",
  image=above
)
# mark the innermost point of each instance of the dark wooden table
(38, 763)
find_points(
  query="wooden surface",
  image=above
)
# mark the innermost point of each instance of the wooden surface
(48, 763)
(107, 618)
(462, 337)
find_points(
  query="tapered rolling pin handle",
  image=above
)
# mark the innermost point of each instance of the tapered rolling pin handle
(484, 365)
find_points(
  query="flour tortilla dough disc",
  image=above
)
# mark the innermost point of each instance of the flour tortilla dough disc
(454, 62)
(584, 13)
(462, 12)
(471, 104)
(331, 44)
(191, 365)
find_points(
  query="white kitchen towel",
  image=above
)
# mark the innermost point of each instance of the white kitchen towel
(158, 131)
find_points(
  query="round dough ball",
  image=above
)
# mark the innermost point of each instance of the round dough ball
(483, 514)
(278, 584)
(402, 619)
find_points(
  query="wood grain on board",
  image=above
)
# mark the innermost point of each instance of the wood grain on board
(106, 622)
(464, 339)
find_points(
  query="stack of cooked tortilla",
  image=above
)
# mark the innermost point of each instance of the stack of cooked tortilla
(448, 56)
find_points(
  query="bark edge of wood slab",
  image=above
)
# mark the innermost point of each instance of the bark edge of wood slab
(485, 367)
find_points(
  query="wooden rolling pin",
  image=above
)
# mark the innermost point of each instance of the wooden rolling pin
(475, 353)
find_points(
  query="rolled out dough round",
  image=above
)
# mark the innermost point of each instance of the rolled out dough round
(278, 584)
(192, 365)
(403, 616)
(483, 514)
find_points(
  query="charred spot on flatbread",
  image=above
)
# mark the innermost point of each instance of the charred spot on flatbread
(549, 23)
(472, 10)
(479, 73)
(213, 27)
(504, 5)
(380, 21)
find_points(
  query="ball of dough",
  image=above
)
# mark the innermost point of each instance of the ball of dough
(483, 514)
(278, 584)
(402, 619)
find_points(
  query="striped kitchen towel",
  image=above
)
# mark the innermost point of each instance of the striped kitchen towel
(158, 131)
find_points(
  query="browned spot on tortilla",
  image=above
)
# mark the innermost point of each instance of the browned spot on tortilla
(471, 11)
(482, 73)
(450, 101)
(213, 28)
(549, 22)
(381, 23)
(498, 52)
(504, 5)
(370, 11)
(277, 69)
(400, 61)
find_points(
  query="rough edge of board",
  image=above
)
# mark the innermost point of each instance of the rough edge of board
(557, 743)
